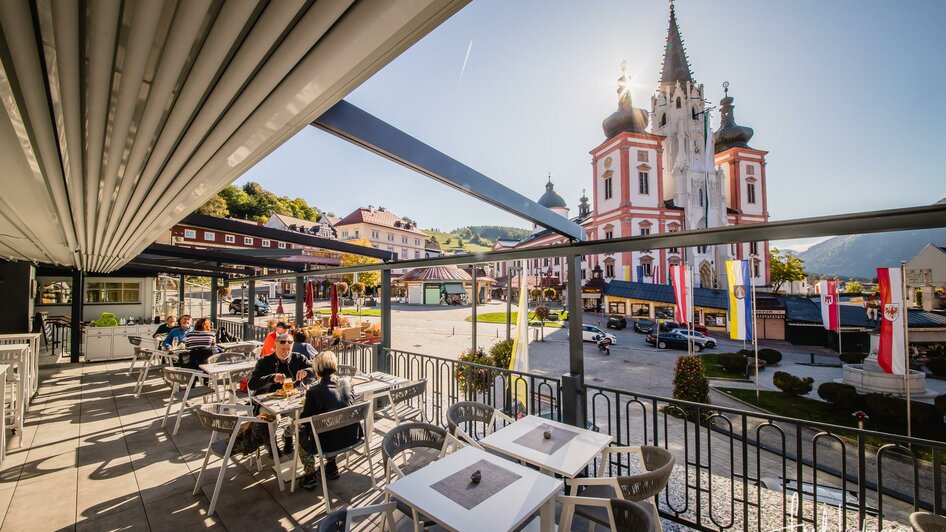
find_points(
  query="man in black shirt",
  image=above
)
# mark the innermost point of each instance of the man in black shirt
(272, 370)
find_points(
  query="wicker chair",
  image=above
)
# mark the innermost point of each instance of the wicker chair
(226, 420)
(329, 421)
(345, 370)
(400, 401)
(470, 414)
(623, 516)
(656, 463)
(340, 520)
(927, 522)
(183, 387)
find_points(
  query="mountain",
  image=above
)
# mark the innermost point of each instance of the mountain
(861, 255)
(475, 237)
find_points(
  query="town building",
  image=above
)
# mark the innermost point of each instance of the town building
(925, 273)
(444, 285)
(323, 226)
(384, 230)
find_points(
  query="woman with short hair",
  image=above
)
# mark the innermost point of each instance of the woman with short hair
(201, 343)
(302, 346)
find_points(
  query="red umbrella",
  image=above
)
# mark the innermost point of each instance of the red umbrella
(309, 299)
(334, 295)
(279, 309)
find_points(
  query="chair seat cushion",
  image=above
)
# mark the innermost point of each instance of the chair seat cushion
(596, 513)
(358, 443)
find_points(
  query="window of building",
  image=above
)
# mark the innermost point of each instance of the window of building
(55, 293)
(190, 233)
(674, 250)
(701, 249)
(229, 239)
(679, 103)
(113, 292)
(582, 273)
(643, 182)
(608, 192)
(357, 233)
(755, 268)
(583, 258)
(416, 254)
(545, 261)
(701, 197)
(416, 241)
(248, 240)
(663, 120)
(750, 192)
(265, 243)
(557, 260)
(648, 269)
(344, 234)
(642, 156)
(282, 245)
(609, 269)
(391, 249)
(390, 237)
(404, 253)
(376, 235)
(609, 235)
(404, 240)
(645, 231)
(754, 248)
(750, 170)
(208, 235)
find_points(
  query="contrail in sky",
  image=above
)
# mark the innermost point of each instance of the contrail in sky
(465, 59)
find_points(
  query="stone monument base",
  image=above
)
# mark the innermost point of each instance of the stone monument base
(869, 377)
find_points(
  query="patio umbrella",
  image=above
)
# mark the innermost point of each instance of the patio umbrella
(279, 309)
(309, 299)
(334, 295)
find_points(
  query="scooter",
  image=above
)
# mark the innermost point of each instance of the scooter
(604, 344)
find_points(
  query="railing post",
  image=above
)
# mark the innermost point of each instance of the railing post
(573, 389)
(78, 299)
(213, 301)
(385, 314)
(180, 295)
(249, 305)
(300, 301)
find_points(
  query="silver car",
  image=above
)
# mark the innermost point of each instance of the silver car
(698, 338)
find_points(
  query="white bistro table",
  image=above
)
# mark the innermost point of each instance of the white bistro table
(567, 453)
(508, 507)
(221, 371)
(17, 356)
(32, 368)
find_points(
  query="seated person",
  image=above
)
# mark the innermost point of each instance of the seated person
(302, 346)
(269, 343)
(201, 343)
(271, 371)
(179, 332)
(330, 393)
(165, 327)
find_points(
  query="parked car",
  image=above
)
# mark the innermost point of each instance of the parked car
(672, 340)
(643, 325)
(236, 307)
(590, 333)
(826, 494)
(617, 322)
(668, 326)
(698, 337)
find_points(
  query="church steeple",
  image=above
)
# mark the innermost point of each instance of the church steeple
(675, 66)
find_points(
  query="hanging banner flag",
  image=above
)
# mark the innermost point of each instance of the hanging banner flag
(655, 274)
(681, 285)
(740, 299)
(639, 270)
(829, 304)
(890, 353)
(520, 350)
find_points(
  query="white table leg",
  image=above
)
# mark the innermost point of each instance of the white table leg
(3, 419)
(273, 427)
(547, 516)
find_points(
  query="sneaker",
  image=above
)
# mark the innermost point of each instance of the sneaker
(310, 481)
(287, 447)
(331, 471)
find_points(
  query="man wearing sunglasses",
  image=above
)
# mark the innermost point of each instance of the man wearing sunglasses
(283, 365)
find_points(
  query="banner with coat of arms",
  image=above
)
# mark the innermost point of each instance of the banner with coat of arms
(890, 353)
(740, 299)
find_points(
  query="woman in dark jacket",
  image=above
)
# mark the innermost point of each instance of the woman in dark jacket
(330, 393)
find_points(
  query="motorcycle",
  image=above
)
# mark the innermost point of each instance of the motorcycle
(604, 344)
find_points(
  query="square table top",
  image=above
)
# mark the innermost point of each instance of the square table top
(228, 367)
(363, 385)
(507, 509)
(567, 460)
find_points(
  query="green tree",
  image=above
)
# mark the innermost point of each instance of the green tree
(785, 268)
(853, 287)
(216, 207)
(238, 201)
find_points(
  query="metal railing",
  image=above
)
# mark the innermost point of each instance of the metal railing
(723, 459)
(233, 328)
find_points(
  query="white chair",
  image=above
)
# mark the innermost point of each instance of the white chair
(135, 342)
(226, 420)
(623, 516)
(156, 359)
(400, 399)
(341, 520)
(471, 413)
(16, 356)
(184, 386)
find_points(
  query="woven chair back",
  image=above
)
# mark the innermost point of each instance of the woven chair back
(134, 340)
(659, 463)
(468, 412)
(408, 392)
(211, 419)
(177, 376)
(630, 516)
(335, 521)
(337, 419)
(412, 436)
(927, 522)
(344, 370)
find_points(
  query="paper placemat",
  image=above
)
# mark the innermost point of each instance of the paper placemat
(535, 439)
(460, 489)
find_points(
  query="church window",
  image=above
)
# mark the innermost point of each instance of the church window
(701, 249)
(608, 191)
(750, 170)
(582, 273)
(642, 156)
(609, 269)
(609, 235)
(648, 271)
(701, 197)
(679, 103)
(557, 260)
(755, 268)
(663, 120)
(545, 261)
(674, 250)
(645, 231)
(693, 113)
(643, 182)
(754, 248)
(750, 192)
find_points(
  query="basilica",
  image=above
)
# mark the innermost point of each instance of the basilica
(660, 171)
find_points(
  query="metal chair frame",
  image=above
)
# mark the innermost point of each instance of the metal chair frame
(341, 520)
(482, 413)
(178, 377)
(156, 359)
(570, 502)
(401, 395)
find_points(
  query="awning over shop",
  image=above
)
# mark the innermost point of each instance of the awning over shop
(453, 289)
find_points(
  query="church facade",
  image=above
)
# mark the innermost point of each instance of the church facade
(655, 172)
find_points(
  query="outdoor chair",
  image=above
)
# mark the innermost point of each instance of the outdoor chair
(413, 437)
(345, 370)
(15, 405)
(927, 522)
(329, 421)
(155, 359)
(470, 414)
(247, 349)
(341, 520)
(400, 401)
(135, 341)
(185, 385)
(656, 464)
(227, 356)
(623, 516)
(225, 422)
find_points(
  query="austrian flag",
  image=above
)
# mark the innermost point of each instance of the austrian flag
(890, 354)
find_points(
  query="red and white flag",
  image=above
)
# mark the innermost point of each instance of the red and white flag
(890, 354)
(655, 277)
(681, 289)
(829, 304)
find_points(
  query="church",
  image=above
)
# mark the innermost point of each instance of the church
(655, 172)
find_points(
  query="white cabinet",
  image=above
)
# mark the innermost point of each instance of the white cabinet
(98, 345)
(111, 343)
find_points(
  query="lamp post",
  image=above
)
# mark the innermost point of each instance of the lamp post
(510, 272)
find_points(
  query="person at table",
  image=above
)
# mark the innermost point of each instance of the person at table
(328, 394)
(201, 343)
(165, 327)
(179, 332)
(302, 346)
(269, 343)
(273, 370)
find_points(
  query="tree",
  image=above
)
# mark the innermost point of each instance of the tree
(853, 287)
(542, 314)
(216, 207)
(785, 268)
(409, 220)
(351, 259)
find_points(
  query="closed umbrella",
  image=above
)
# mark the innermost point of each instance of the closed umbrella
(309, 299)
(279, 309)
(334, 295)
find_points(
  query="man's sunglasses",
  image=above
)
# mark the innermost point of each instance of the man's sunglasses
(284, 342)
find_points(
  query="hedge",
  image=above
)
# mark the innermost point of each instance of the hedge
(843, 396)
(926, 419)
(733, 362)
(791, 384)
(770, 356)
(937, 366)
(852, 358)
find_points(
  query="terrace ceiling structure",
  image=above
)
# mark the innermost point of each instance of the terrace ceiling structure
(122, 117)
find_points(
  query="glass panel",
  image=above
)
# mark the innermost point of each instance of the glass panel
(132, 295)
(56, 293)
(113, 296)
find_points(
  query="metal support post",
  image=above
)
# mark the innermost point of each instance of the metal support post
(180, 295)
(476, 294)
(573, 389)
(213, 300)
(249, 305)
(381, 355)
(78, 299)
(300, 301)
(508, 300)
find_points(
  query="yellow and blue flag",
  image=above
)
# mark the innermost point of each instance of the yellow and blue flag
(520, 350)
(740, 299)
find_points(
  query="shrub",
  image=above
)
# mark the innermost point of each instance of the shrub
(689, 383)
(550, 293)
(358, 288)
(791, 384)
(940, 404)
(474, 379)
(733, 362)
(542, 313)
(925, 419)
(852, 358)
(748, 353)
(501, 353)
(341, 287)
(843, 396)
(770, 356)
(937, 366)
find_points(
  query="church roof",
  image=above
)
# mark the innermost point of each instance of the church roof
(675, 66)
(729, 135)
(551, 199)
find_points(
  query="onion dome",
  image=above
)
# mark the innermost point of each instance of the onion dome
(627, 117)
(551, 199)
(729, 135)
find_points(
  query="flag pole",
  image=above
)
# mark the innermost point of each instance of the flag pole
(838, 297)
(755, 332)
(906, 341)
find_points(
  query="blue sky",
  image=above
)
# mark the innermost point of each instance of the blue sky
(845, 96)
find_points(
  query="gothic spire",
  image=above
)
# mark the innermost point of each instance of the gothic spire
(675, 66)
